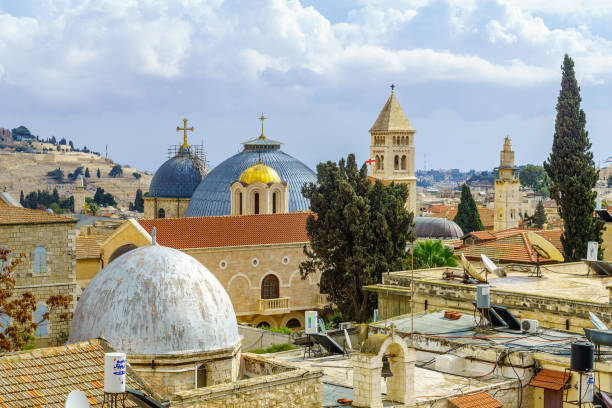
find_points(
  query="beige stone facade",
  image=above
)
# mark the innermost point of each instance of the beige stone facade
(507, 206)
(158, 207)
(392, 148)
(48, 269)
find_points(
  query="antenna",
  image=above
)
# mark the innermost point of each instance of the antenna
(76, 399)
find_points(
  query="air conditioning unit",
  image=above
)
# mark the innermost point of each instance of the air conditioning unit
(529, 325)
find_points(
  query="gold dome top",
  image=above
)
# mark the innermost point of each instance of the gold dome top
(259, 173)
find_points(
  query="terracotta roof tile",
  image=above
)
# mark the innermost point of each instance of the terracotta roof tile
(18, 215)
(478, 400)
(205, 232)
(88, 246)
(482, 235)
(54, 372)
(486, 215)
(549, 379)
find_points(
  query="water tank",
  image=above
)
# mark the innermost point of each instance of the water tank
(482, 297)
(115, 365)
(582, 356)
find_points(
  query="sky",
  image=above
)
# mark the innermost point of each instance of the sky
(124, 73)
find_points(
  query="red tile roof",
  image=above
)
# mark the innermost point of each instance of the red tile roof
(482, 235)
(549, 379)
(239, 230)
(17, 215)
(88, 246)
(478, 400)
(486, 215)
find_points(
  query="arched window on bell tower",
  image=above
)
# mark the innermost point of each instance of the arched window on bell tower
(240, 202)
(404, 162)
(274, 201)
(396, 162)
(256, 203)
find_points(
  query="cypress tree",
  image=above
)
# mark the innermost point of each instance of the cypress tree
(21, 199)
(98, 173)
(539, 218)
(467, 216)
(87, 173)
(571, 168)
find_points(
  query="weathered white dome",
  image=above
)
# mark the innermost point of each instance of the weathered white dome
(156, 300)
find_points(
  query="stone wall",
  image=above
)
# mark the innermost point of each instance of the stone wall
(274, 384)
(607, 242)
(59, 276)
(254, 338)
(173, 207)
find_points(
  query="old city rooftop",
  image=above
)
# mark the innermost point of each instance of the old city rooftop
(18, 215)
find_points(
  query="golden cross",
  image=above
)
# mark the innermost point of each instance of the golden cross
(184, 129)
(262, 118)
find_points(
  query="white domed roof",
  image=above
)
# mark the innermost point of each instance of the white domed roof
(156, 300)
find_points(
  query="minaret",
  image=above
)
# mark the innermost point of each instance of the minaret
(79, 196)
(507, 204)
(392, 148)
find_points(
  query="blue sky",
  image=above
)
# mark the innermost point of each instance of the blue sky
(468, 72)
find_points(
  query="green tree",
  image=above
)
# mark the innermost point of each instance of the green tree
(21, 132)
(571, 168)
(21, 198)
(610, 181)
(98, 173)
(57, 174)
(467, 216)
(539, 217)
(138, 204)
(87, 173)
(136, 175)
(535, 177)
(116, 171)
(432, 254)
(358, 231)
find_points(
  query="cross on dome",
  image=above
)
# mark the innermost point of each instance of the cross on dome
(262, 118)
(184, 129)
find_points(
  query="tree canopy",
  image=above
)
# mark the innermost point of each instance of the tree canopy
(138, 204)
(535, 177)
(103, 199)
(572, 171)
(431, 253)
(468, 217)
(359, 229)
(539, 217)
(116, 171)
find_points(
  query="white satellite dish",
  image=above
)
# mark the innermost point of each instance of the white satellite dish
(491, 267)
(76, 399)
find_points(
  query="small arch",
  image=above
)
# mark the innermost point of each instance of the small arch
(377, 162)
(396, 161)
(161, 213)
(238, 275)
(240, 202)
(256, 202)
(270, 287)
(263, 324)
(382, 162)
(274, 199)
(120, 251)
(41, 309)
(201, 376)
(404, 162)
(293, 323)
(40, 259)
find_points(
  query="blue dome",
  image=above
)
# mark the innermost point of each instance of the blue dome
(177, 177)
(212, 197)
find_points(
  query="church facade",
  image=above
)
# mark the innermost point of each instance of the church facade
(392, 149)
(507, 204)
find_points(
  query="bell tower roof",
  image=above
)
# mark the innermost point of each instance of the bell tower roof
(392, 117)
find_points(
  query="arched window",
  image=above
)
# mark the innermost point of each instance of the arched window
(377, 162)
(120, 251)
(404, 162)
(382, 162)
(41, 309)
(240, 202)
(269, 287)
(263, 324)
(274, 202)
(293, 324)
(396, 162)
(201, 377)
(161, 213)
(40, 259)
(256, 203)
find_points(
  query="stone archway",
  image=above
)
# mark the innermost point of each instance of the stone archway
(120, 251)
(367, 366)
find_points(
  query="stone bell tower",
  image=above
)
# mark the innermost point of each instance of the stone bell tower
(392, 148)
(507, 205)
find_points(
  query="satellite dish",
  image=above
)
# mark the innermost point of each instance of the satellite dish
(76, 399)
(491, 267)
(544, 248)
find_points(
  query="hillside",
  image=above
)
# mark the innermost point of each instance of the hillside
(20, 171)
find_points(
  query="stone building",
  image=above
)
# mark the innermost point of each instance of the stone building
(255, 257)
(88, 262)
(79, 196)
(48, 269)
(507, 206)
(392, 148)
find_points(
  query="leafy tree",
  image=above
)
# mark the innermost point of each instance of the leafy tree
(571, 168)
(57, 174)
(21, 198)
(55, 196)
(136, 175)
(358, 231)
(539, 217)
(535, 177)
(77, 172)
(62, 142)
(71, 145)
(87, 173)
(432, 254)
(103, 199)
(116, 171)
(21, 132)
(467, 216)
(17, 325)
(138, 204)
(98, 173)
(610, 181)
(52, 140)
(68, 204)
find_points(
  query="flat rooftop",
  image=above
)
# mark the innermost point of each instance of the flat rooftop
(429, 384)
(564, 281)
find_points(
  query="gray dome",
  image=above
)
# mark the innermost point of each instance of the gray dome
(439, 228)
(212, 197)
(178, 177)
(156, 300)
